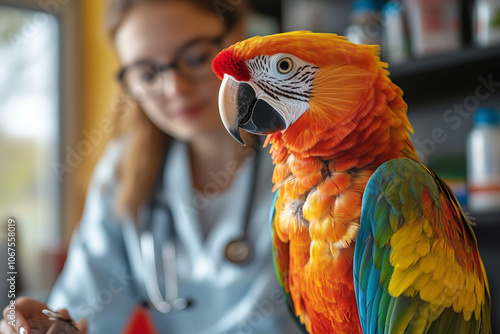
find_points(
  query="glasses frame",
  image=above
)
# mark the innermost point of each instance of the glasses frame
(174, 64)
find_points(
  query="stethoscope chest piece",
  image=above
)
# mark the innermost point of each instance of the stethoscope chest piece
(238, 251)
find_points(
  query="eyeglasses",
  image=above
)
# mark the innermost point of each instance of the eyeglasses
(193, 61)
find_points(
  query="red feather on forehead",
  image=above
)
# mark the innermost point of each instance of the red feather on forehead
(227, 62)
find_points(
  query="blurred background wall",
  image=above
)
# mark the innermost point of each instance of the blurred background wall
(55, 49)
(98, 68)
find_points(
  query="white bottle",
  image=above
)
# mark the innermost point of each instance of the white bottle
(486, 20)
(483, 161)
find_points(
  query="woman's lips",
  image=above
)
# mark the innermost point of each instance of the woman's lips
(187, 113)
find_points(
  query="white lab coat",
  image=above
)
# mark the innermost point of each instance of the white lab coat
(103, 280)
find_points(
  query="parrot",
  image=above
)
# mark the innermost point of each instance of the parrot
(366, 238)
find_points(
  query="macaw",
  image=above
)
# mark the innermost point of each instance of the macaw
(366, 238)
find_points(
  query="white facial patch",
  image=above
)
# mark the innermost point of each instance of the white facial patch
(284, 81)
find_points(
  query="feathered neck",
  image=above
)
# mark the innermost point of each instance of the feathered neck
(376, 132)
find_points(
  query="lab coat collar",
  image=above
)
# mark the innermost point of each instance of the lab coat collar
(206, 256)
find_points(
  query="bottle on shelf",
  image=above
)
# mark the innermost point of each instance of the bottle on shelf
(434, 26)
(483, 161)
(395, 47)
(486, 22)
(365, 27)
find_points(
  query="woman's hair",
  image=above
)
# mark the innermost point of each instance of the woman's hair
(147, 144)
(228, 12)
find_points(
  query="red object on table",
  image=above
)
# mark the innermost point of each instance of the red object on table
(141, 322)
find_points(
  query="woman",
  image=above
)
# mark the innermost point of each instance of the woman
(174, 149)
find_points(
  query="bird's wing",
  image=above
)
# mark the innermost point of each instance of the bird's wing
(416, 264)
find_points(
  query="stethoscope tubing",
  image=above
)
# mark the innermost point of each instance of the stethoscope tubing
(171, 301)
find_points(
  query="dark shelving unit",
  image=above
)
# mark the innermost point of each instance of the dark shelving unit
(442, 63)
(447, 73)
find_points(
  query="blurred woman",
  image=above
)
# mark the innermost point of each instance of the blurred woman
(177, 212)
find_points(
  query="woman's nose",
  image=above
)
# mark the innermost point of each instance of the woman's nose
(175, 84)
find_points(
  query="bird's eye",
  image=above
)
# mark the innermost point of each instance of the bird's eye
(284, 65)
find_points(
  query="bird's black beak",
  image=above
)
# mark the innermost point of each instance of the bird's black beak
(240, 108)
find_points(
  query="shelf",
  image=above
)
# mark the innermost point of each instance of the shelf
(446, 73)
(470, 56)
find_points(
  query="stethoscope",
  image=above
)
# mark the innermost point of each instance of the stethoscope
(238, 251)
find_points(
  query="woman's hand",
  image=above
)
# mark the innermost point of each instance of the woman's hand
(29, 310)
